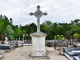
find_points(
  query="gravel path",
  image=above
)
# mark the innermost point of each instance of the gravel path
(21, 53)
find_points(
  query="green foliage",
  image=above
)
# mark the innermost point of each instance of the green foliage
(9, 32)
(51, 29)
(63, 38)
(47, 23)
(3, 25)
(58, 36)
(76, 35)
(68, 33)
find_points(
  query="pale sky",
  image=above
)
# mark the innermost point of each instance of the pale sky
(60, 11)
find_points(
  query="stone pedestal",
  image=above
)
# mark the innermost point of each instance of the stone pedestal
(38, 46)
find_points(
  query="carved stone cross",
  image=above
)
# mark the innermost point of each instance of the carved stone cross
(38, 14)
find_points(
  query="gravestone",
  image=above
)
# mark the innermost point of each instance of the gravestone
(13, 41)
(6, 42)
(19, 43)
(38, 38)
(25, 41)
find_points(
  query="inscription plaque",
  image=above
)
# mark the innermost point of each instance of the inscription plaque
(38, 44)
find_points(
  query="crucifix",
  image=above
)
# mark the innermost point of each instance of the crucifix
(38, 14)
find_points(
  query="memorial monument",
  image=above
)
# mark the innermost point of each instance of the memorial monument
(6, 42)
(38, 38)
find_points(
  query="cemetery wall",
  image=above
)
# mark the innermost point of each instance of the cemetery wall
(31, 41)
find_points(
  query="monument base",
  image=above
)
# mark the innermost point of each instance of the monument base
(31, 56)
(38, 46)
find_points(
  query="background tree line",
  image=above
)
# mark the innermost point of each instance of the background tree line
(48, 27)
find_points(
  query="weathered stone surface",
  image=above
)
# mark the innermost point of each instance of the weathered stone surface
(38, 38)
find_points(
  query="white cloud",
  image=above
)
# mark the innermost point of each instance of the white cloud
(58, 10)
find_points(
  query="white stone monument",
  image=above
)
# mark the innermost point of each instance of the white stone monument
(38, 38)
(25, 41)
(6, 42)
(19, 43)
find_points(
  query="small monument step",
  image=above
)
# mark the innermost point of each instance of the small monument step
(38, 55)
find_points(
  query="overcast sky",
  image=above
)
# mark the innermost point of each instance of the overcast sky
(61, 11)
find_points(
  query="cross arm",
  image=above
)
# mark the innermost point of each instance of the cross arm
(31, 13)
(44, 13)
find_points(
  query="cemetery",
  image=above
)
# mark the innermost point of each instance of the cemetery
(46, 41)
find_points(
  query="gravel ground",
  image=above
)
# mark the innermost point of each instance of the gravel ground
(21, 53)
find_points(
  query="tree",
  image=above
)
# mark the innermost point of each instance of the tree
(9, 32)
(47, 23)
(74, 28)
(69, 34)
(76, 21)
(47, 29)
(76, 37)
(58, 37)
(1, 16)
(5, 17)
(32, 28)
(11, 20)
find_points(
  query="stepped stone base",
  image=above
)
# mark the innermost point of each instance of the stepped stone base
(31, 56)
(38, 46)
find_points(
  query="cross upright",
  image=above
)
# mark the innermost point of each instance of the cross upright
(38, 14)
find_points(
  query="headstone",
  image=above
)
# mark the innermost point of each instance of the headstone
(13, 41)
(6, 42)
(19, 43)
(38, 38)
(25, 40)
(71, 41)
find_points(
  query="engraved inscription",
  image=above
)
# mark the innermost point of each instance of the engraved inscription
(38, 44)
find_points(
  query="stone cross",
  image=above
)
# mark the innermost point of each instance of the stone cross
(38, 14)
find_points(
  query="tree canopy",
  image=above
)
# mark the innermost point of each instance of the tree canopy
(48, 27)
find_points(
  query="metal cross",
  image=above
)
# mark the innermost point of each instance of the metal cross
(38, 14)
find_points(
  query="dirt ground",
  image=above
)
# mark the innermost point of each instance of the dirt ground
(21, 53)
